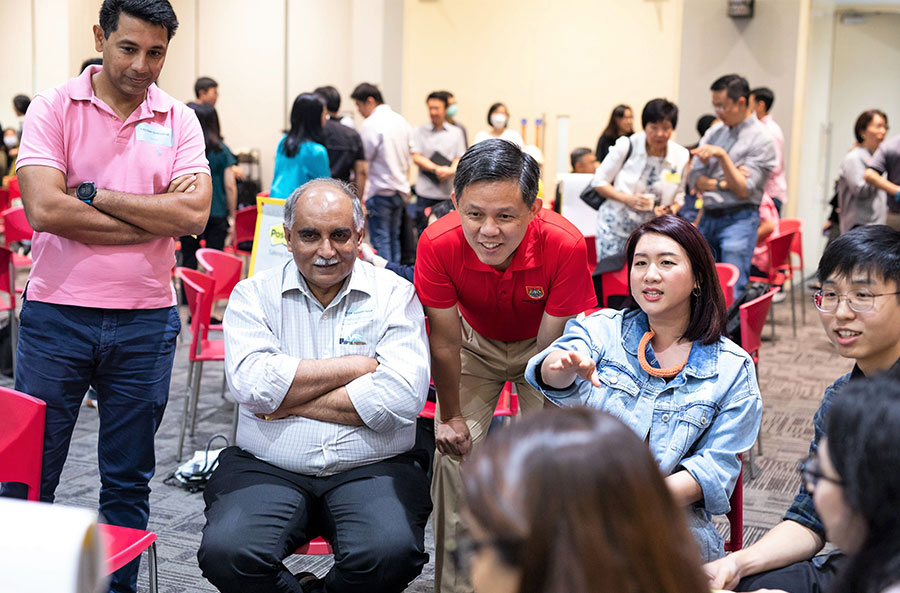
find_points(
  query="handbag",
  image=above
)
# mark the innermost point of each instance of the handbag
(591, 197)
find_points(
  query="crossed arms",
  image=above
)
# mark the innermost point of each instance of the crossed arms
(116, 218)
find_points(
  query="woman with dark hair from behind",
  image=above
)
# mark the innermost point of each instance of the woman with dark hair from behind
(859, 203)
(224, 188)
(854, 482)
(666, 369)
(613, 528)
(301, 155)
(621, 123)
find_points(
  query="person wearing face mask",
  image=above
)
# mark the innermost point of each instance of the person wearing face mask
(638, 173)
(498, 120)
(452, 111)
(860, 203)
(852, 492)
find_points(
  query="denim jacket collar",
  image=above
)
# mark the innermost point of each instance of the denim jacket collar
(702, 362)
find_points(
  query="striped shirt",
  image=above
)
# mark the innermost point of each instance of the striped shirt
(273, 322)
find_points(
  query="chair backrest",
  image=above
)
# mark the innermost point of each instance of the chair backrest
(728, 277)
(753, 318)
(614, 283)
(16, 225)
(779, 246)
(591, 244)
(198, 289)
(14, 191)
(794, 225)
(245, 224)
(5, 200)
(224, 267)
(7, 276)
(21, 439)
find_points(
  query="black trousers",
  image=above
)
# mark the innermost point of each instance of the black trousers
(808, 576)
(215, 233)
(257, 514)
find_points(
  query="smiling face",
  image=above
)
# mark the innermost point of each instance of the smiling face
(843, 526)
(875, 132)
(133, 55)
(323, 240)
(662, 279)
(495, 219)
(871, 338)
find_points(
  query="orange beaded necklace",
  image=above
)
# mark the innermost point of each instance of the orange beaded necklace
(642, 358)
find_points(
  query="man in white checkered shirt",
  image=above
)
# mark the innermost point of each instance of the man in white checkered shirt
(329, 361)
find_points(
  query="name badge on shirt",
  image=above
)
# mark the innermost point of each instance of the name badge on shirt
(153, 134)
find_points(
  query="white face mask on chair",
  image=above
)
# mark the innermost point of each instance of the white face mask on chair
(498, 120)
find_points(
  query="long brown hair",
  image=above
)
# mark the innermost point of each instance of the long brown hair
(578, 504)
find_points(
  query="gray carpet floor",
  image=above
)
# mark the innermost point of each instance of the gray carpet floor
(794, 371)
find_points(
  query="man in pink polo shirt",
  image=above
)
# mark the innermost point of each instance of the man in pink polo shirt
(111, 169)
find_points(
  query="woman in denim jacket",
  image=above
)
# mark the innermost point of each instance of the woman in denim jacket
(665, 368)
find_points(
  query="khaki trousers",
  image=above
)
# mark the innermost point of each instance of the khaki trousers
(486, 367)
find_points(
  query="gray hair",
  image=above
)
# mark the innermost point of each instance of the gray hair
(359, 219)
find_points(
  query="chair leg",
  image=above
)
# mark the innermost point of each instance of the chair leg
(224, 383)
(184, 415)
(151, 568)
(793, 312)
(802, 295)
(772, 319)
(14, 338)
(750, 463)
(196, 397)
(237, 413)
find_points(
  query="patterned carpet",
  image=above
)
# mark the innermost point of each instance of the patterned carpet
(794, 370)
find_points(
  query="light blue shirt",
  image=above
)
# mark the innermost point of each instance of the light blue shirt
(310, 162)
(699, 421)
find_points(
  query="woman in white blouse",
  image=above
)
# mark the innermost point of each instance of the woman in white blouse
(639, 177)
(498, 120)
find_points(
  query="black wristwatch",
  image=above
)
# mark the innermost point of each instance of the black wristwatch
(86, 192)
(719, 185)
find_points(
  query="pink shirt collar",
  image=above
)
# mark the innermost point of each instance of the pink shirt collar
(80, 89)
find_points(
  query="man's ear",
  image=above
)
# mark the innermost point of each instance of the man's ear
(453, 199)
(536, 206)
(287, 238)
(99, 38)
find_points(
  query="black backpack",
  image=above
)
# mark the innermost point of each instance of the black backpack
(733, 324)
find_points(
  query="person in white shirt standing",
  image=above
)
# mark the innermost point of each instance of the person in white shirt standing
(328, 358)
(761, 100)
(387, 139)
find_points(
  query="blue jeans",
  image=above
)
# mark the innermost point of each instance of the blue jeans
(732, 238)
(127, 356)
(384, 221)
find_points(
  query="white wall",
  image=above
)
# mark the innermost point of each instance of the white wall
(578, 58)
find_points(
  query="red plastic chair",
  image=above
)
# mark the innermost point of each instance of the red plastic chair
(753, 318)
(199, 290)
(316, 547)
(591, 243)
(14, 191)
(225, 269)
(21, 451)
(8, 286)
(244, 229)
(728, 277)
(614, 284)
(507, 404)
(736, 514)
(15, 230)
(795, 225)
(779, 271)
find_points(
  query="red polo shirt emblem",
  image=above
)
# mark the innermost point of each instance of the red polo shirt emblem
(535, 292)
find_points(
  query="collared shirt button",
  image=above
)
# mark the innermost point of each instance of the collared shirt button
(613, 379)
(703, 419)
(665, 417)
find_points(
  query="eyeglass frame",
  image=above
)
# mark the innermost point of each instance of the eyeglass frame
(818, 296)
(811, 473)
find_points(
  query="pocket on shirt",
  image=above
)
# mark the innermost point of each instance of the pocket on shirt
(691, 421)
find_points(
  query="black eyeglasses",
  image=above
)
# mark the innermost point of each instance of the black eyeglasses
(811, 473)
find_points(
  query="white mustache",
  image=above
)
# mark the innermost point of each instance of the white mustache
(321, 261)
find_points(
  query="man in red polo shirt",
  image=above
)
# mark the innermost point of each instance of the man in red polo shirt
(499, 279)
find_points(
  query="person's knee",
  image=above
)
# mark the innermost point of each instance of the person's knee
(392, 559)
(227, 561)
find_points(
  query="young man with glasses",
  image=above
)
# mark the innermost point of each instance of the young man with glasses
(859, 305)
